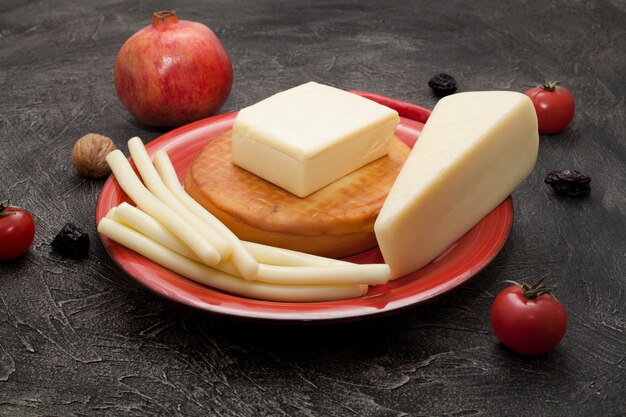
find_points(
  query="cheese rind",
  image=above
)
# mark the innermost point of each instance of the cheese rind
(475, 149)
(304, 138)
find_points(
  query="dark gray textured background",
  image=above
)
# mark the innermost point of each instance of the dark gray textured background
(81, 338)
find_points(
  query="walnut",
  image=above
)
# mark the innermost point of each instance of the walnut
(88, 155)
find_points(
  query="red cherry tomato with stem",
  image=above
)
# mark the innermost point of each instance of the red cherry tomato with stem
(554, 106)
(17, 231)
(528, 319)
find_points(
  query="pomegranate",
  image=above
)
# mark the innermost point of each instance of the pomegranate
(172, 72)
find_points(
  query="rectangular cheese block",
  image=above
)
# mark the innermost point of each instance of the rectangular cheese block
(304, 138)
(474, 150)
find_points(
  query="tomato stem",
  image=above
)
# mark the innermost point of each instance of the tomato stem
(550, 85)
(3, 206)
(534, 291)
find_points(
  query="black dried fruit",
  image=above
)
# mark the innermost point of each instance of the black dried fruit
(71, 241)
(569, 182)
(443, 84)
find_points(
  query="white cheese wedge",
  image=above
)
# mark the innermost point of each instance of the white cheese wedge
(307, 137)
(475, 149)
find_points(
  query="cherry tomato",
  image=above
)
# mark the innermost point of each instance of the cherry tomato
(528, 319)
(17, 231)
(554, 106)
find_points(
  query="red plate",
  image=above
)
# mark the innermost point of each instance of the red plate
(459, 263)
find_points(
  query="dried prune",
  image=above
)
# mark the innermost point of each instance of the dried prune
(71, 241)
(443, 84)
(571, 183)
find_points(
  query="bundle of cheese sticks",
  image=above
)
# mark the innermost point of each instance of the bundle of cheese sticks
(171, 229)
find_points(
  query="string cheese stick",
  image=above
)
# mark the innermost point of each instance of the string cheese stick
(146, 225)
(272, 255)
(263, 253)
(154, 184)
(241, 257)
(371, 274)
(326, 274)
(222, 281)
(132, 186)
